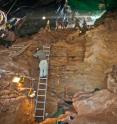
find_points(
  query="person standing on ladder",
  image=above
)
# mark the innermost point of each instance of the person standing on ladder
(43, 65)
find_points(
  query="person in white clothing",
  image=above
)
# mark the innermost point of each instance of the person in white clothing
(43, 65)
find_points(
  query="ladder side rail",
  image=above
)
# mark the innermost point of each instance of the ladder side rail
(47, 51)
(45, 98)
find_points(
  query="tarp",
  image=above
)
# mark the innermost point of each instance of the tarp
(91, 5)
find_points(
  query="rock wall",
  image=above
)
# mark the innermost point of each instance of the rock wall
(76, 63)
(98, 102)
(112, 79)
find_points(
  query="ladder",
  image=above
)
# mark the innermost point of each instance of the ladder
(40, 104)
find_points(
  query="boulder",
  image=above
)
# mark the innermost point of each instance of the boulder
(88, 103)
(112, 79)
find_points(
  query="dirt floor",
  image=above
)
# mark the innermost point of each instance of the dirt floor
(77, 62)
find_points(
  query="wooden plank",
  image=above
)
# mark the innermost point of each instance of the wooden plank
(20, 51)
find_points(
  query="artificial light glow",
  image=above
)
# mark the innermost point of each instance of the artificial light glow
(19, 85)
(16, 80)
(43, 17)
(31, 95)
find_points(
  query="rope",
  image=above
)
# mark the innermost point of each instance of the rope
(12, 6)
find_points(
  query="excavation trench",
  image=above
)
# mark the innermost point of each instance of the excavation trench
(20, 60)
(76, 63)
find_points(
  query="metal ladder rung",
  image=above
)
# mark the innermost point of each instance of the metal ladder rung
(41, 109)
(43, 78)
(39, 116)
(40, 102)
(40, 95)
(46, 47)
(41, 89)
(42, 84)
